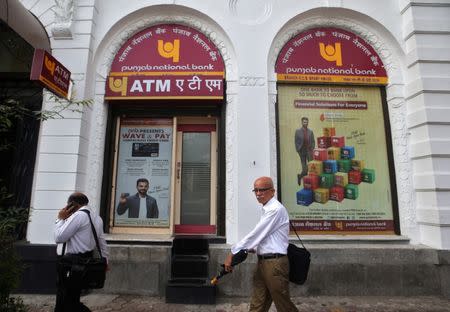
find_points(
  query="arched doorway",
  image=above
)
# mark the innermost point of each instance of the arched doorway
(166, 94)
(336, 170)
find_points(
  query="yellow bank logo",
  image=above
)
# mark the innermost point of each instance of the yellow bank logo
(49, 65)
(170, 50)
(331, 53)
(118, 85)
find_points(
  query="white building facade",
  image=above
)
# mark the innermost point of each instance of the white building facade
(411, 39)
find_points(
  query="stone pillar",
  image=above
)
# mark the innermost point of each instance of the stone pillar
(427, 43)
(61, 159)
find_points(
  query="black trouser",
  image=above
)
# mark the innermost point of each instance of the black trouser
(68, 294)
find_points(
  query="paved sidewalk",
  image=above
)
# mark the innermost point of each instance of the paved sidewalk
(125, 303)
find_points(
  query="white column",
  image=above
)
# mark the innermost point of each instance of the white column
(426, 30)
(62, 151)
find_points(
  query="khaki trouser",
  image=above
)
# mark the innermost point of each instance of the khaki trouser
(271, 283)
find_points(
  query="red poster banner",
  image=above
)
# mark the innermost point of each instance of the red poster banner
(345, 226)
(50, 73)
(330, 55)
(166, 61)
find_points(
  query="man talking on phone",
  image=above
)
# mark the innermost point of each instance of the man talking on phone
(74, 229)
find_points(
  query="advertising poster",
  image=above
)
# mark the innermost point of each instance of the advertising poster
(143, 173)
(333, 159)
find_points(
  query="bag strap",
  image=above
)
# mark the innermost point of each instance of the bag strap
(94, 232)
(292, 226)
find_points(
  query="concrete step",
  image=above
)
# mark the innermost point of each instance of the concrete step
(190, 291)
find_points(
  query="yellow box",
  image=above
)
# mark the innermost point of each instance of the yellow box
(357, 165)
(329, 132)
(334, 153)
(321, 195)
(315, 166)
(341, 178)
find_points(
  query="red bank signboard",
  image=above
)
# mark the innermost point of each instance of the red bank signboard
(166, 62)
(50, 73)
(330, 55)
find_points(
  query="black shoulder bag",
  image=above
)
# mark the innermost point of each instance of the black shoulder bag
(299, 260)
(81, 271)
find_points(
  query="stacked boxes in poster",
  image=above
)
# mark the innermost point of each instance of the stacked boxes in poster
(347, 152)
(337, 141)
(354, 177)
(315, 167)
(334, 153)
(337, 193)
(311, 181)
(304, 197)
(330, 166)
(323, 142)
(357, 165)
(320, 154)
(326, 180)
(368, 175)
(329, 132)
(341, 179)
(351, 191)
(344, 165)
(333, 174)
(321, 195)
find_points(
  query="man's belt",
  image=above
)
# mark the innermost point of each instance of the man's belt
(270, 256)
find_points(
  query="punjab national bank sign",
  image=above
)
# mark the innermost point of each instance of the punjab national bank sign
(166, 62)
(50, 73)
(329, 55)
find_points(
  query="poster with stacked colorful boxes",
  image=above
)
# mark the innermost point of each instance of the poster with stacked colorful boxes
(347, 185)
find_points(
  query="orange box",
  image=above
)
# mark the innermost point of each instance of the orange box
(334, 153)
(357, 165)
(315, 167)
(329, 132)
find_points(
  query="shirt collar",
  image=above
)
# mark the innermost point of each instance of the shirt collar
(268, 204)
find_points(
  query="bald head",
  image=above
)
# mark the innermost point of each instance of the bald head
(265, 181)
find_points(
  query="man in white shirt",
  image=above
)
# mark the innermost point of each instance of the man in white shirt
(269, 239)
(74, 228)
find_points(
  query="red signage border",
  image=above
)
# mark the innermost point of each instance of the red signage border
(330, 55)
(50, 73)
(167, 61)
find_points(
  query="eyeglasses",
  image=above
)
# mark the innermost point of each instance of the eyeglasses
(261, 190)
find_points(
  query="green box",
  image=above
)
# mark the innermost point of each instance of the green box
(344, 165)
(351, 191)
(326, 180)
(368, 175)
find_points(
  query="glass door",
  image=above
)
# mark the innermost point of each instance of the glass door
(196, 176)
